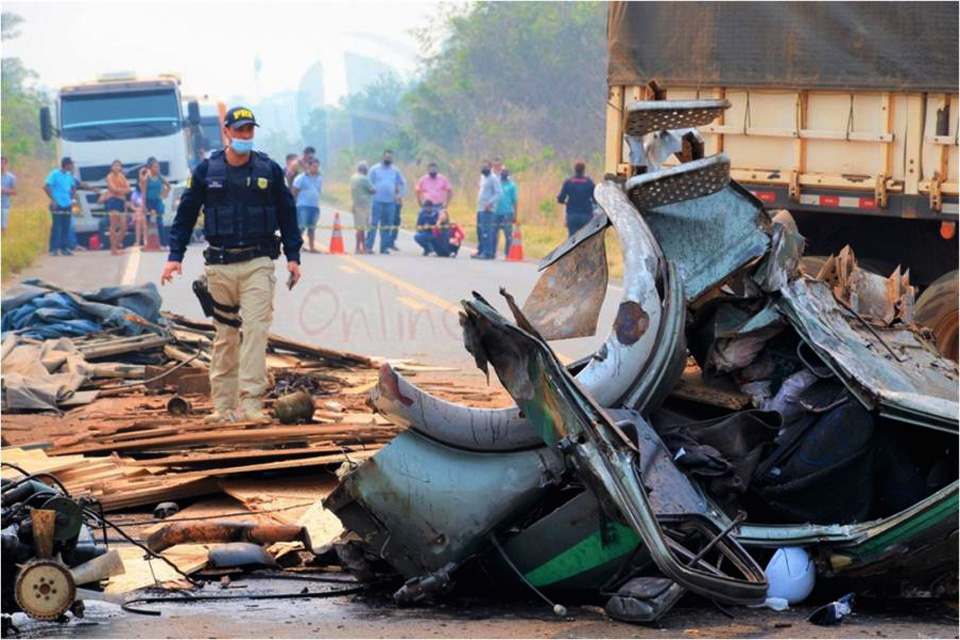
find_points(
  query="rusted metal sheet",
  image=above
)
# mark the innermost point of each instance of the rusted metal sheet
(565, 302)
(597, 224)
(876, 298)
(174, 533)
(889, 369)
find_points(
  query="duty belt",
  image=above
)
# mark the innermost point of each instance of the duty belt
(231, 255)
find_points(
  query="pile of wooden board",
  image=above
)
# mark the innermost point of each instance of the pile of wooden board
(140, 464)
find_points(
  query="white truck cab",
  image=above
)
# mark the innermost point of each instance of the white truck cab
(120, 117)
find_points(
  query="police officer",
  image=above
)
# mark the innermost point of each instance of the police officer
(245, 201)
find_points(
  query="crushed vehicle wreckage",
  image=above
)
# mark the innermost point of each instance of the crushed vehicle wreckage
(624, 475)
(749, 406)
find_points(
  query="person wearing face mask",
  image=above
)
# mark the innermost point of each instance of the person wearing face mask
(245, 200)
(577, 195)
(505, 214)
(435, 187)
(487, 197)
(389, 185)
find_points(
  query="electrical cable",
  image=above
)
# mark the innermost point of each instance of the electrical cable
(32, 476)
(558, 609)
(257, 596)
(139, 383)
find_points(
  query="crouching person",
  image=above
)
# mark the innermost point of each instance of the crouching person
(245, 201)
(426, 223)
(448, 236)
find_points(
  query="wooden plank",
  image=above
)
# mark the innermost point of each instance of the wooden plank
(140, 573)
(357, 456)
(232, 435)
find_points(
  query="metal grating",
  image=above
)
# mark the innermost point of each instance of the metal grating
(646, 117)
(685, 182)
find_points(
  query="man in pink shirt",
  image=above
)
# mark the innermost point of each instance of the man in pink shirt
(435, 187)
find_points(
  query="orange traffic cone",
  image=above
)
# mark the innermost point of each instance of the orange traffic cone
(516, 245)
(336, 238)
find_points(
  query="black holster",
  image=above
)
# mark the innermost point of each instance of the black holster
(211, 307)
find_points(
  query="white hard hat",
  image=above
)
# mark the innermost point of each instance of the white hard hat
(790, 574)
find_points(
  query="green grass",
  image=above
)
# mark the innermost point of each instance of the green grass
(26, 238)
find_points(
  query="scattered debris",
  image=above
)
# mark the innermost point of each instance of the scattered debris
(833, 613)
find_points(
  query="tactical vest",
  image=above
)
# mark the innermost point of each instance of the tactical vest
(236, 218)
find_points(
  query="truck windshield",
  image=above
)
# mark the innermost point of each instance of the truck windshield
(211, 133)
(116, 116)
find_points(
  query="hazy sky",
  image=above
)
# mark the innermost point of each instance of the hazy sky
(213, 44)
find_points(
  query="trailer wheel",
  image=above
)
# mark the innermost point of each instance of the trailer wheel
(937, 309)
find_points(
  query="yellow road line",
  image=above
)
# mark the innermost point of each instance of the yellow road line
(348, 269)
(402, 284)
(410, 302)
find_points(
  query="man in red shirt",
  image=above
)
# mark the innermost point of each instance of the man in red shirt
(435, 187)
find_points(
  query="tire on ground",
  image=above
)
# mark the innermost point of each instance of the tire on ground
(937, 309)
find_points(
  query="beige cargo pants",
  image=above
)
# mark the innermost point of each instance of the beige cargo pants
(238, 368)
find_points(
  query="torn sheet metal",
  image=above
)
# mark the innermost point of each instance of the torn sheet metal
(711, 238)
(456, 425)
(782, 264)
(665, 366)
(566, 301)
(879, 299)
(616, 375)
(615, 367)
(604, 459)
(890, 370)
(597, 224)
(423, 505)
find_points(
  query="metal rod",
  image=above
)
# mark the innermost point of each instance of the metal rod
(710, 545)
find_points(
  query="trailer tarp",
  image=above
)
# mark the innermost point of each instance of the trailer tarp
(890, 46)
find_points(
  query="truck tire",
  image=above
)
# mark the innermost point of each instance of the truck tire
(937, 309)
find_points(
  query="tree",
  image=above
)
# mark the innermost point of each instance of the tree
(19, 125)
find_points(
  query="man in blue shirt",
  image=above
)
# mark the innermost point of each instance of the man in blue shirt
(61, 187)
(306, 189)
(390, 186)
(426, 223)
(506, 212)
(577, 194)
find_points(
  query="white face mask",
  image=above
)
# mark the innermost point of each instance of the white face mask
(242, 147)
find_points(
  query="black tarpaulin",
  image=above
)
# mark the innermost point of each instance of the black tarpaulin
(830, 45)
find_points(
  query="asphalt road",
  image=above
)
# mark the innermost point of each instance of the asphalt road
(399, 306)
